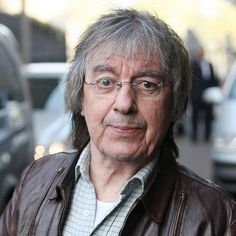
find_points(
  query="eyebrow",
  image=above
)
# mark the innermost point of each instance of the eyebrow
(154, 74)
(139, 74)
(104, 68)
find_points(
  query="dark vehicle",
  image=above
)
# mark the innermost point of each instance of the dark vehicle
(16, 135)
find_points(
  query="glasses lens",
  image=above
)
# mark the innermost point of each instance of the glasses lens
(104, 86)
(142, 88)
(147, 88)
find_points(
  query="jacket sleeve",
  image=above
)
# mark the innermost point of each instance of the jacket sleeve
(10, 216)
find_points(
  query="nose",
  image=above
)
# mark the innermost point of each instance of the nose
(125, 100)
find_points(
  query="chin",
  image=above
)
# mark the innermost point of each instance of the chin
(126, 157)
(129, 151)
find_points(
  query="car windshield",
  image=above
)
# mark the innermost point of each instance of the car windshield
(232, 94)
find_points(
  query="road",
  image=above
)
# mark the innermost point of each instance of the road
(195, 156)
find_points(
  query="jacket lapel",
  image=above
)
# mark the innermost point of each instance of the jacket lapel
(158, 193)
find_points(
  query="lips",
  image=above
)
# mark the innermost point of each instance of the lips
(125, 123)
(125, 130)
(125, 126)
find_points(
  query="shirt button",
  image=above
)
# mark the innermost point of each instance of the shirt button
(86, 213)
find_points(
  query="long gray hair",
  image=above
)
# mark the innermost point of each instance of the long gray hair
(130, 33)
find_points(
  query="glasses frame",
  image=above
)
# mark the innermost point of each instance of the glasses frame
(133, 84)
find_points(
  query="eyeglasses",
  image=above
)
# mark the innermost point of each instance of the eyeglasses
(145, 88)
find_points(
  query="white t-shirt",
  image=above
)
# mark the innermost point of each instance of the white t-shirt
(102, 210)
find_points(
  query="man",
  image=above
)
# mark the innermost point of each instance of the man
(203, 78)
(128, 84)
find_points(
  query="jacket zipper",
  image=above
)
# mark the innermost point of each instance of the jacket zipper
(179, 214)
(42, 200)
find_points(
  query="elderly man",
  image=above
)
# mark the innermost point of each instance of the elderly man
(128, 84)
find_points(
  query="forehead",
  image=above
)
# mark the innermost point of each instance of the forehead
(137, 61)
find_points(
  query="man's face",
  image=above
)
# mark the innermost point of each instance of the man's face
(125, 126)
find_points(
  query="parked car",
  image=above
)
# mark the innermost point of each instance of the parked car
(223, 149)
(16, 135)
(42, 78)
(51, 124)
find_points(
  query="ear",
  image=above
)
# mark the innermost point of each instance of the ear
(82, 106)
(82, 112)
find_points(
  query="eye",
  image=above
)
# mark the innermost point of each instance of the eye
(148, 85)
(105, 82)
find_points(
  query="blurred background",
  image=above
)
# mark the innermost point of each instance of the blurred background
(209, 22)
(37, 41)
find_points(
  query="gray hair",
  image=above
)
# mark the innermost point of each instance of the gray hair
(129, 33)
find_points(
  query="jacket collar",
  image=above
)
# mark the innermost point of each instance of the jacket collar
(67, 177)
(158, 193)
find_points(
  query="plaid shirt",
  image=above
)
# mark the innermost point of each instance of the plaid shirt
(82, 209)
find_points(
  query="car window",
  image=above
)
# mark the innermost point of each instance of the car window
(55, 100)
(40, 88)
(43, 78)
(232, 94)
(9, 76)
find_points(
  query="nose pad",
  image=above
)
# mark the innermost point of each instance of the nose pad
(129, 84)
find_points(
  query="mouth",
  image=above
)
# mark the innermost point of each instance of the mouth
(126, 130)
(125, 126)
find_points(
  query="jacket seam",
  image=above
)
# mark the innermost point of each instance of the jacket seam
(21, 186)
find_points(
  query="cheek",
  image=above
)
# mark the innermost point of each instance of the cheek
(93, 121)
(159, 120)
(94, 111)
(93, 116)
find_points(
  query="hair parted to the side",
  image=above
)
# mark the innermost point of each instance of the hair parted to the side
(129, 33)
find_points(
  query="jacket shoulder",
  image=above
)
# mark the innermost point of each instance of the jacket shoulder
(56, 159)
(201, 185)
(47, 166)
(60, 156)
(209, 202)
(38, 180)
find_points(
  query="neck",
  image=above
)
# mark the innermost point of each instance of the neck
(109, 176)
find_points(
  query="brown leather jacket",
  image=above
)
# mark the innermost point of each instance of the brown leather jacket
(175, 202)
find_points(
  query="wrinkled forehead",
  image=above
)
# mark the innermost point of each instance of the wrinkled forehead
(108, 51)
